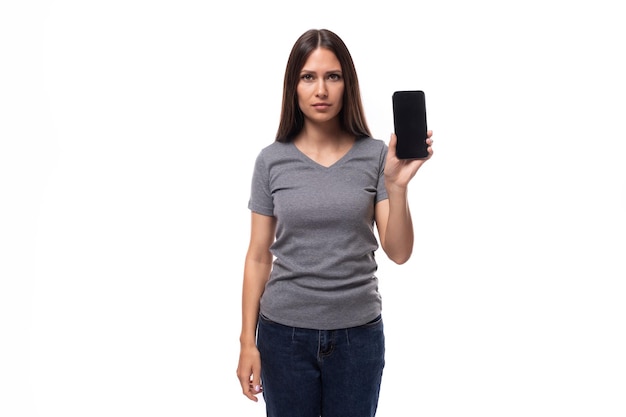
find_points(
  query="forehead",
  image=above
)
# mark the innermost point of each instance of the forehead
(322, 59)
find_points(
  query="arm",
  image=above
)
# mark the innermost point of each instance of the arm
(393, 216)
(258, 265)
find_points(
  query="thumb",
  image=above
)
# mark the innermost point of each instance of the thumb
(256, 380)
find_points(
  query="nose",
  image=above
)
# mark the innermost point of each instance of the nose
(321, 89)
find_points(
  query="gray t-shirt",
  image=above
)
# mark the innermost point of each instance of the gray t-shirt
(323, 276)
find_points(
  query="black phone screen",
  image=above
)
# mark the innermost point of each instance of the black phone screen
(409, 118)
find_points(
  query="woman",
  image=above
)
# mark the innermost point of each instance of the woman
(312, 336)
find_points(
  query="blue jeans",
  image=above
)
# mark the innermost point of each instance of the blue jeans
(328, 373)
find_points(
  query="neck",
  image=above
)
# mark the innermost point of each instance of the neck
(323, 134)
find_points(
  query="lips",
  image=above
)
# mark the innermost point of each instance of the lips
(321, 106)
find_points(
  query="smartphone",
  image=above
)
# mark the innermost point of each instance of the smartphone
(409, 119)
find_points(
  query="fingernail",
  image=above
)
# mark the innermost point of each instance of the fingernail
(257, 388)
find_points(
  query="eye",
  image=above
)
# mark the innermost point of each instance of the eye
(306, 77)
(334, 77)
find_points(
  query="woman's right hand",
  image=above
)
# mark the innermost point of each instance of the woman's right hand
(249, 372)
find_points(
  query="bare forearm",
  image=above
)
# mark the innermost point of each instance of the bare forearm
(399, 235)
(256, 274)
(396, 219)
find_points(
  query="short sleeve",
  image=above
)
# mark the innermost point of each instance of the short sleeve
(381, 190)
(261, 200)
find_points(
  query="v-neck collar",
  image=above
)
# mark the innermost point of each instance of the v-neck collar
(313, 162)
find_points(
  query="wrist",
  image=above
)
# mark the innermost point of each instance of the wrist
(396, 189)
(247, 341)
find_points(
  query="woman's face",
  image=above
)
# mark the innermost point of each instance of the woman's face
(321, 85)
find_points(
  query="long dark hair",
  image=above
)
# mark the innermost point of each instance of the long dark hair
(352, 116)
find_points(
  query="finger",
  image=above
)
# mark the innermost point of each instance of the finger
(246, 385)
(393, 140)
(253, 392)
(256, 380)
(429, 133)
(250, 392)
(255, 387)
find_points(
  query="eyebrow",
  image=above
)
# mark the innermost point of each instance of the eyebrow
(304, 70)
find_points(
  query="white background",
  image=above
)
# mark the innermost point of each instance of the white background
(128, 132)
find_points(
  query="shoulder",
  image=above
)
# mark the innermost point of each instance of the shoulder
(372, 146)
(371, 143)
(275, 150)
(269, 154)
(277, 155)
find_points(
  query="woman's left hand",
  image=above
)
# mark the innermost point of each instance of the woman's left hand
(398, 172)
